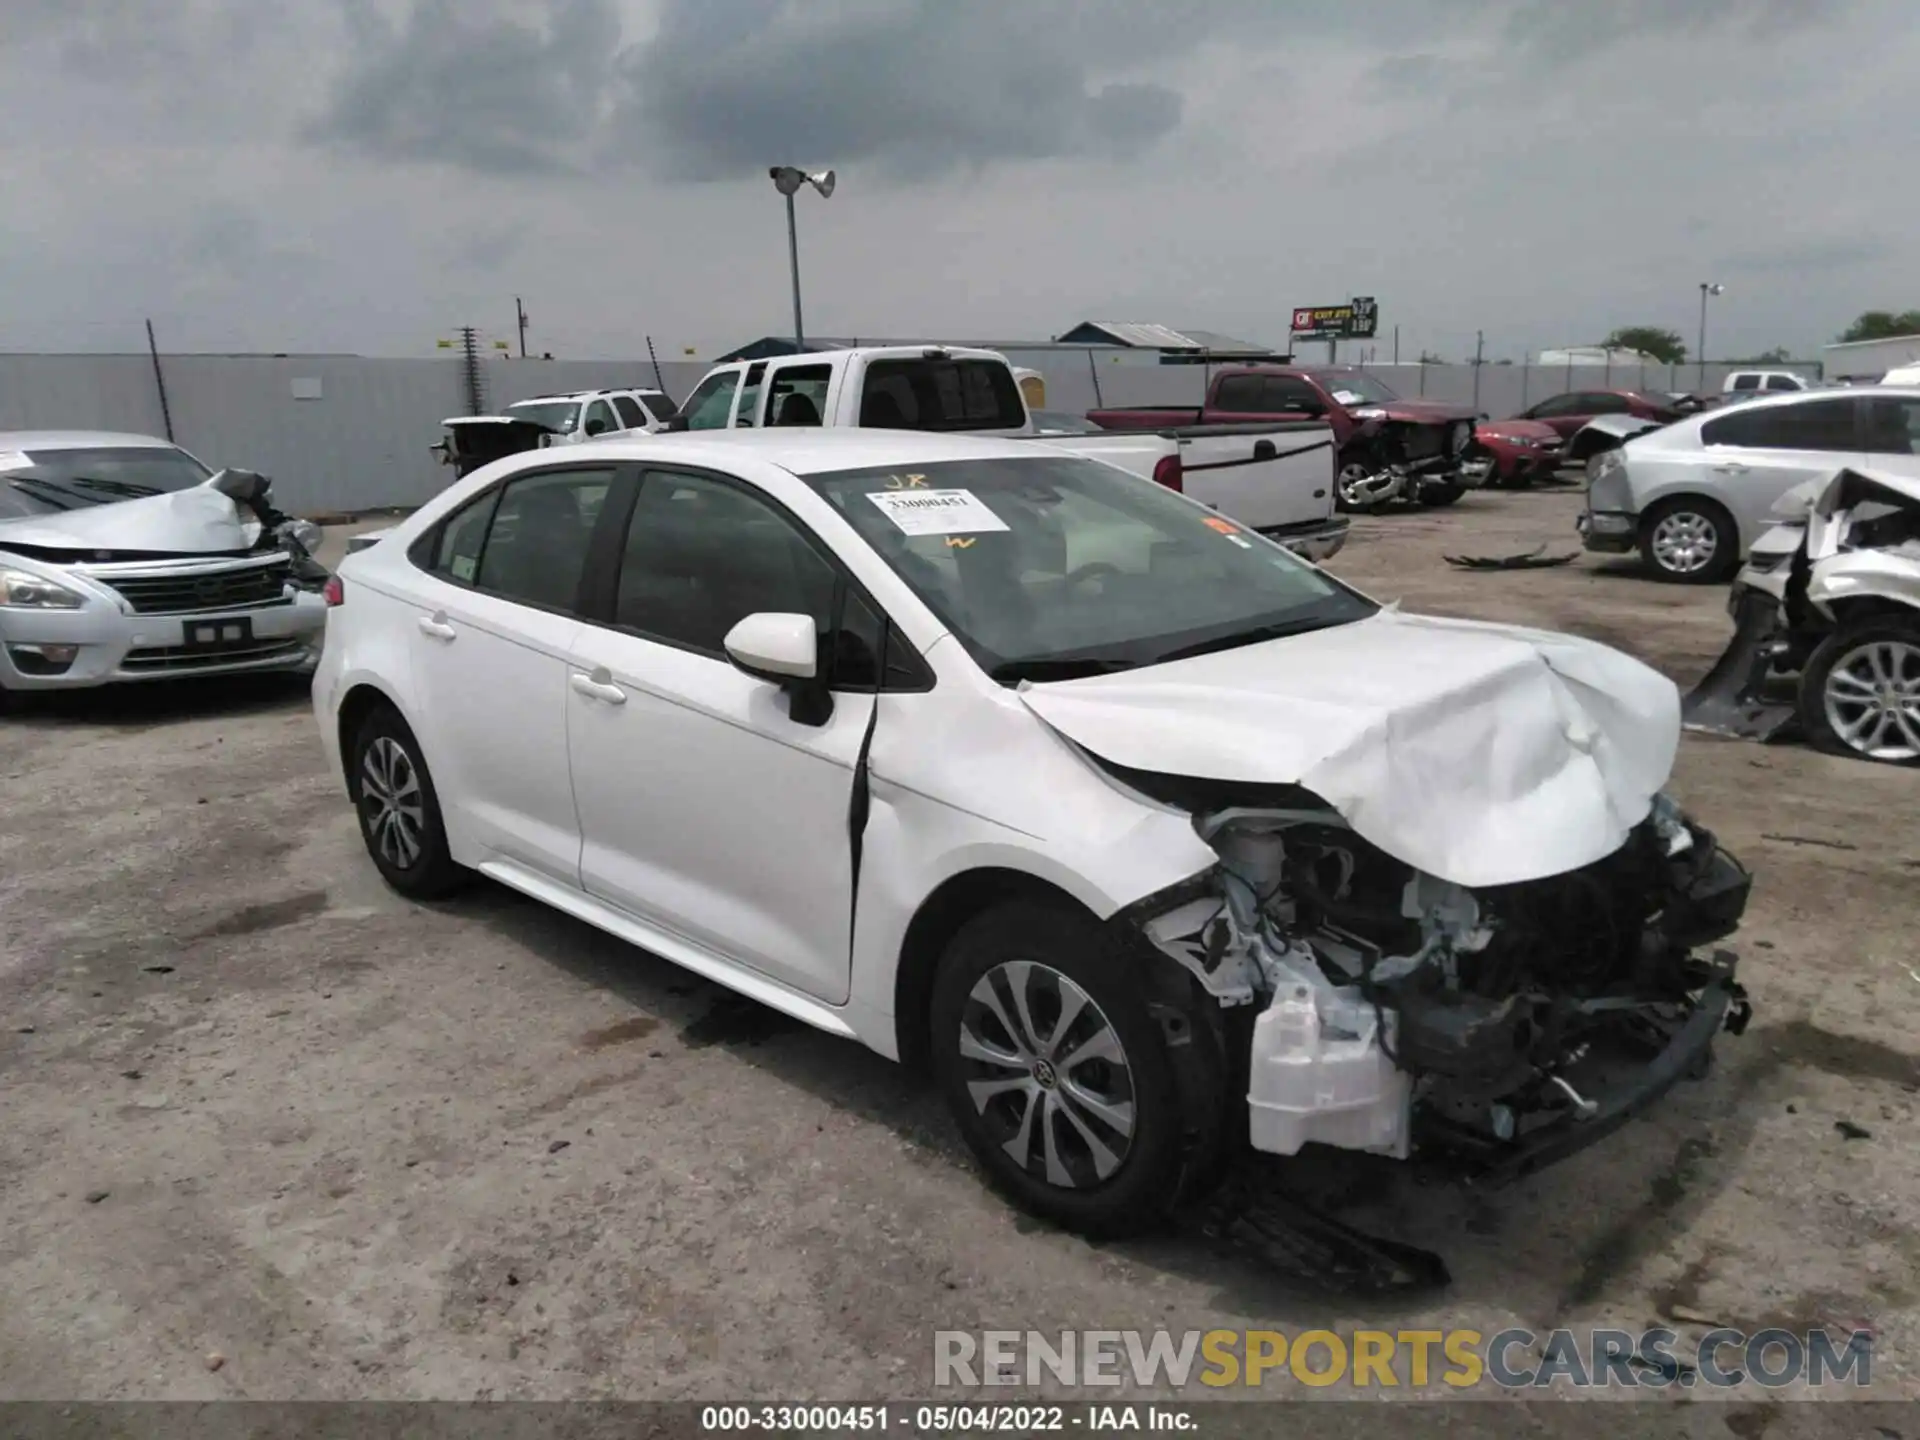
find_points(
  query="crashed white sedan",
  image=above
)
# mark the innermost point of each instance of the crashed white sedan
(123, 558)
(1150, 838)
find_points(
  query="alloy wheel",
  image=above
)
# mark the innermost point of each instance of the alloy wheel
(1047, 1071)
(392, 805)
(1872, 699)
(1685, 542)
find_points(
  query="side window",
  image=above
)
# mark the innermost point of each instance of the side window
(1558, 405)
(536, 548)
(599, 418)
(457, 554)
(1287, 394)
(1816, 425)
(1746, 382)
(702, 555)
(707, 407)
(658, 406)
(632, 417)
(797, 394)
(1601, 402)
(1239, 394)
(1893, 426)
(1781, 382)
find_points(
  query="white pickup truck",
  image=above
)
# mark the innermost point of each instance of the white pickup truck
(1275, 477)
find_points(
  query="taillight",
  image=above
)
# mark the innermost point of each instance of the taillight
(1167, 473)
(333, 591)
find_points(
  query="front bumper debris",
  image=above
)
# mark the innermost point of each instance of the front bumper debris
(1733, 698)
(1608, 531)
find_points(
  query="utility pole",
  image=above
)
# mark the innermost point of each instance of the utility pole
(1479, 359)
(1396, 344)
(520, 315)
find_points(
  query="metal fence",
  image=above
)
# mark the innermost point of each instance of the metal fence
(344, 433)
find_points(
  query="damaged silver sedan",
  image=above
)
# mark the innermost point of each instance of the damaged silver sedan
(1827, 624)
(1154, 841)
(123, 558)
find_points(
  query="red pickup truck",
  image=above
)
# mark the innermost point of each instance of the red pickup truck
(1389, 448)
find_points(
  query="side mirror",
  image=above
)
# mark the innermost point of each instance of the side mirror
(783, 650)
(596, 427)
(675, 424)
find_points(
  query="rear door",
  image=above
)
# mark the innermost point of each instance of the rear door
(494, 624)
(1565, 413)
(1756, 452)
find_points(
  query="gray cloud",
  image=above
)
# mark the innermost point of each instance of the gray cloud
(911, 90)
(1562, 31)
(468, 83)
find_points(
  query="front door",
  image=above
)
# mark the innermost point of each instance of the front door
(494, 629)
(704, 806)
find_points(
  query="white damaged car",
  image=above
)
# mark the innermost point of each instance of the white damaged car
(123, 558)
(1150, 838)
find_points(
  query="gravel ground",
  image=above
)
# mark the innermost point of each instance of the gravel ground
(272, 1132)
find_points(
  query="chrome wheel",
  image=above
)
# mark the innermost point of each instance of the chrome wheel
(392, 806)
(1048, 1073)
(1872, 699)
(1685, 542)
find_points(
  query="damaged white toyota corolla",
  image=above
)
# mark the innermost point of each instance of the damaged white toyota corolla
(1149, 837)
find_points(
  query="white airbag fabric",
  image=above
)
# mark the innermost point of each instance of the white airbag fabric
(1483, 754)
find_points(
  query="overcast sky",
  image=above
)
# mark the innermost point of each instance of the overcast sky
(365, 175)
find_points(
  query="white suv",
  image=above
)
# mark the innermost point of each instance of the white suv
(1693, 496)
(1142, 831)
(589, 414)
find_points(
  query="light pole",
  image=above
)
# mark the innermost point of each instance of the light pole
(787, 179)
(1707, 287)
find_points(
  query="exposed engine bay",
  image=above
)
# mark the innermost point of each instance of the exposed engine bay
(1382, 1009)
(1391, 460)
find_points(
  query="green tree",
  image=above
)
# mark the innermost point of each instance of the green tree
(1882, 325)
(1666, 346)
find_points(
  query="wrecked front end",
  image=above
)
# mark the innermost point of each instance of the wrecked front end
(1378, 1008)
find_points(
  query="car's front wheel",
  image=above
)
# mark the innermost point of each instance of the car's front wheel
(1058, 1074)
(1860, 691)
(399, 809)
(1690, 541)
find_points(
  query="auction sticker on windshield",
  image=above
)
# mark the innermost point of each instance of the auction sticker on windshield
(936, 512)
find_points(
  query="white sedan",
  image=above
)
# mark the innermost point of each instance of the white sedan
(1148, 837)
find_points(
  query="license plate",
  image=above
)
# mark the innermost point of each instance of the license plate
(218, 634)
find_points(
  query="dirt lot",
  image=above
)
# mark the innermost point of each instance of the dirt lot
(256, 1106)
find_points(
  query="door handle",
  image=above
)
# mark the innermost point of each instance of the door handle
(595, 687)
(437, 627)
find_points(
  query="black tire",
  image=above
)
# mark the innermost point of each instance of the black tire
(1174, 1142)
(1521, 479)
(424, 871)
(1435, 496)
(1844, 646)
(1702, 518)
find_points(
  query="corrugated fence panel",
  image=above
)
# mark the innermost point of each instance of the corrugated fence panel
(359, 438)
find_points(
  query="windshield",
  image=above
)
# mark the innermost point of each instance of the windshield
(1353, 388)
(556, 415)
(41, 481)
(1049, 568)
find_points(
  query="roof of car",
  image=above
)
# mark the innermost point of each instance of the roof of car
(80, 440)
(810, 451)
(589, 394)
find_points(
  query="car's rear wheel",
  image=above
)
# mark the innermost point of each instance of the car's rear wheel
(399, 809)
(1860, 691)
(1058, 1075)
(1690, 541)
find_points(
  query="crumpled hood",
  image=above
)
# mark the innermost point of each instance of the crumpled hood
(1483, 754)
(1424, 412)
(196, 521)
